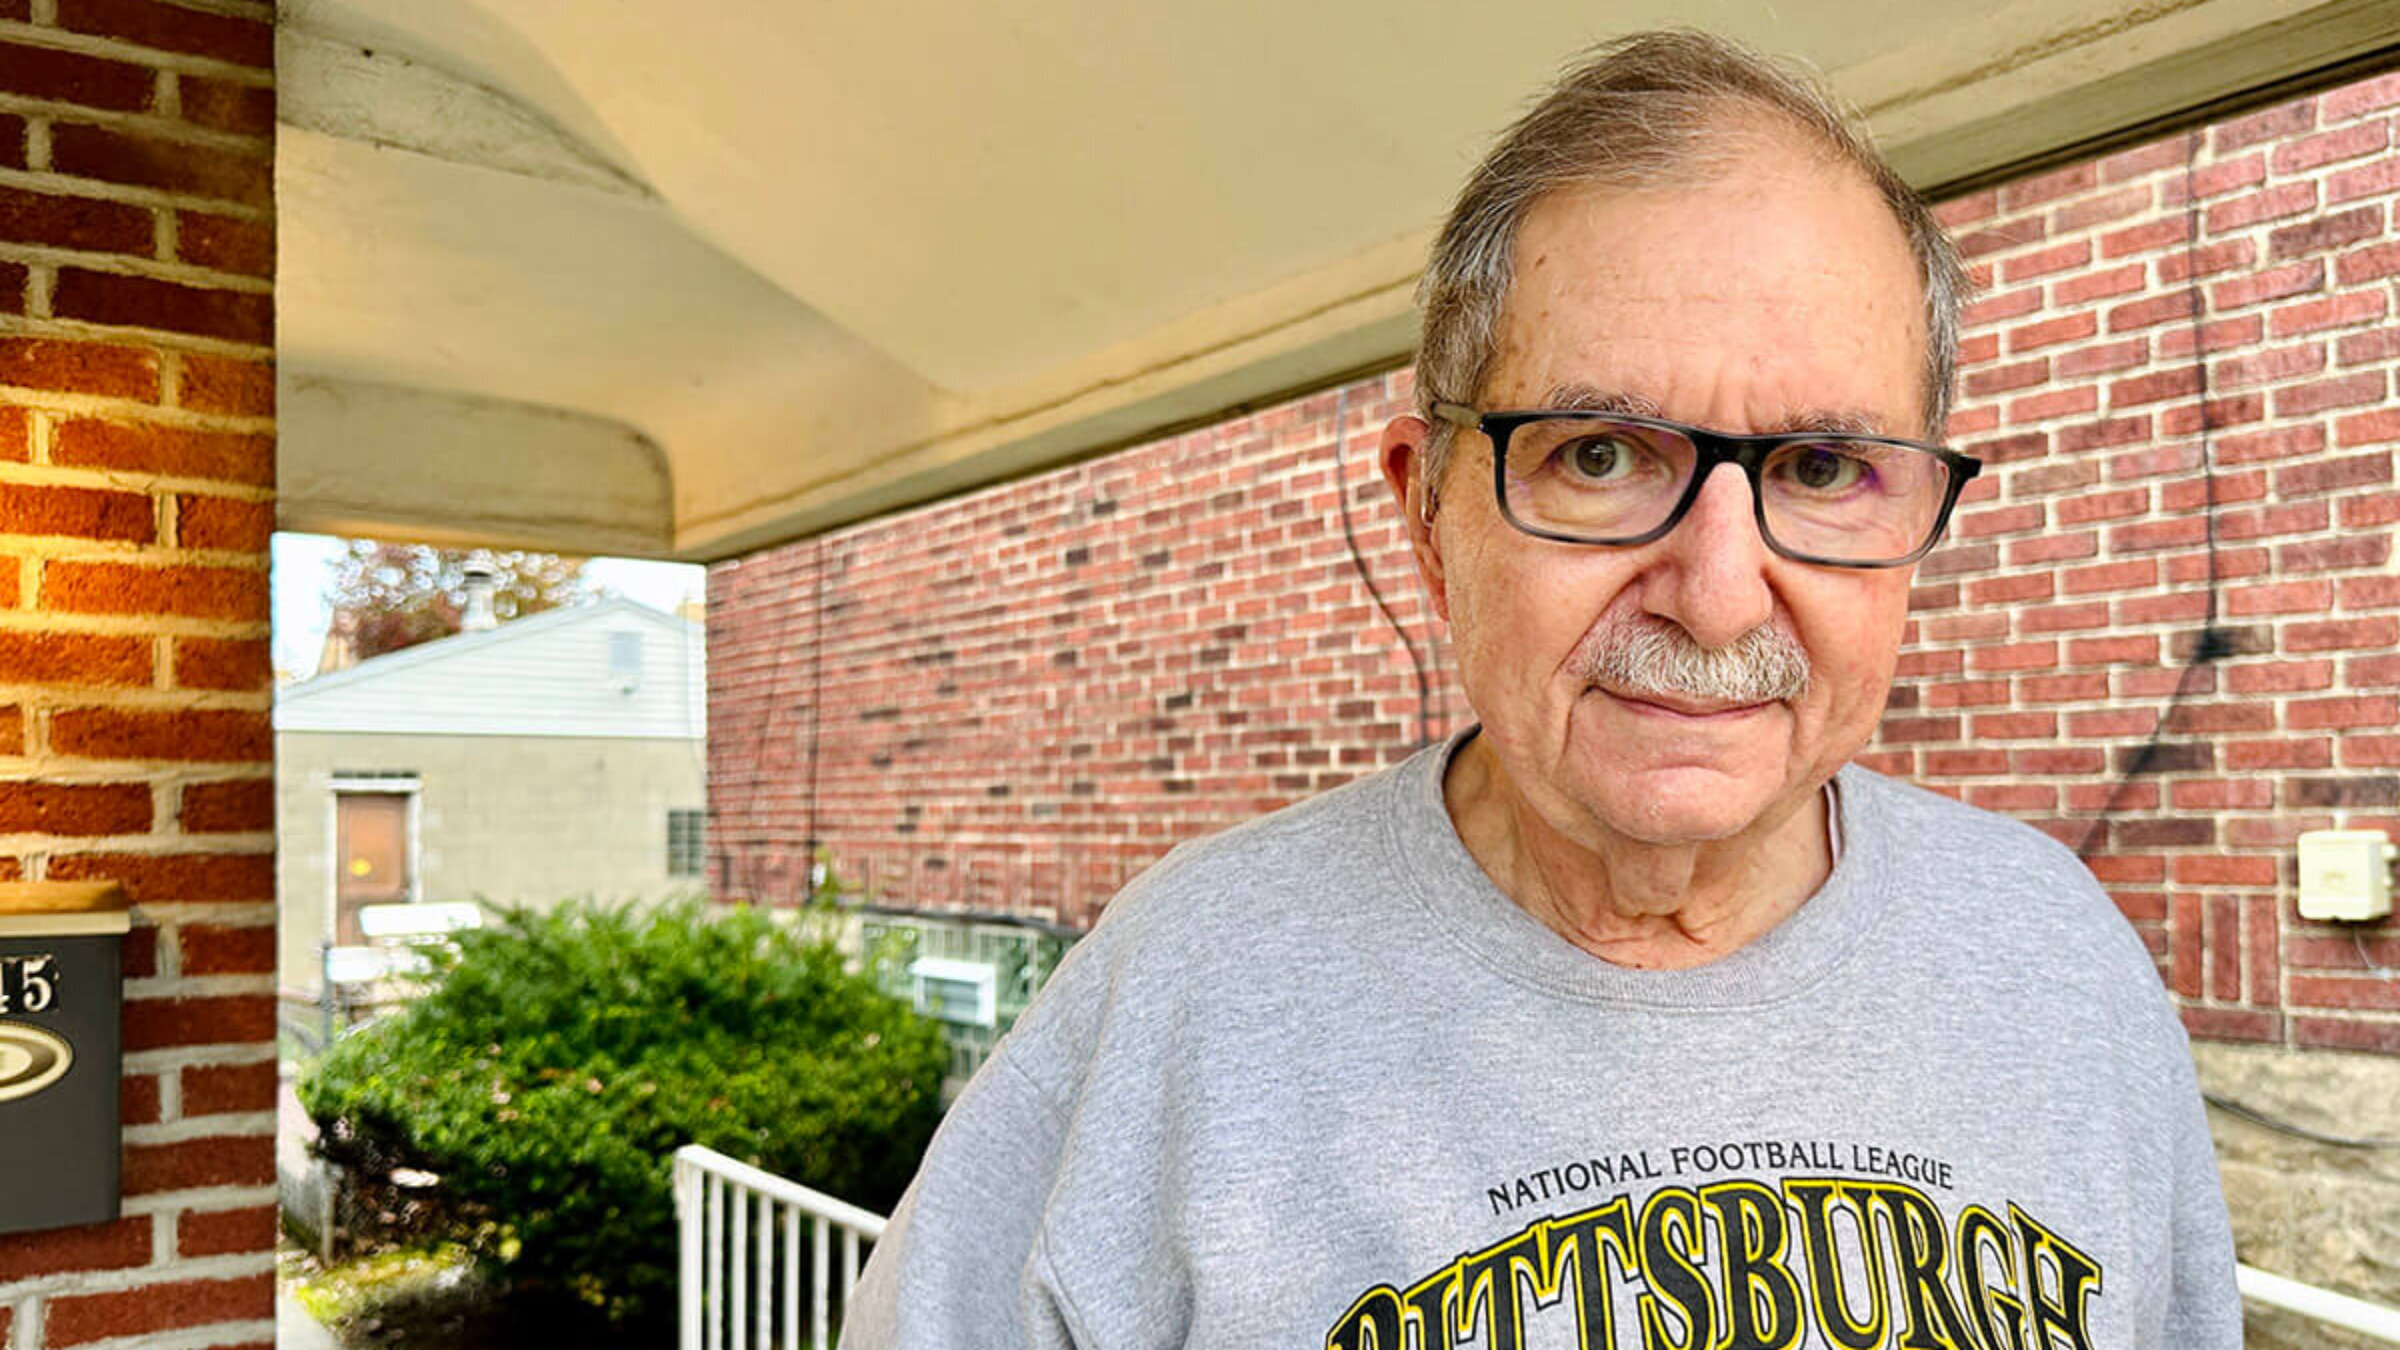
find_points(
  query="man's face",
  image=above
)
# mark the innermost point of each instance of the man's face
(1780, 296)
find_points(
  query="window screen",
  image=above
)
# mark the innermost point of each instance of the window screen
(685, 833)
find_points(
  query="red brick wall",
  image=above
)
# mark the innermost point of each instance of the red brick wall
(136, 497)
(2192, 338)
(1020, 699)
(1017, 698)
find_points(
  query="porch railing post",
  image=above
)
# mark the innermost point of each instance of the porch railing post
(716, 1200)
(688, 1219)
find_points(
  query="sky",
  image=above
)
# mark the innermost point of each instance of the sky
(304, 565)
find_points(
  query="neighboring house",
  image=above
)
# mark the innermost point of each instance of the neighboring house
(553, 756)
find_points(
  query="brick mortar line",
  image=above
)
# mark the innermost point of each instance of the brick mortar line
(84, 698)
(84, 778)
(58, 846)
(249, 916)
(2170, 627)
(69, 1283)
(115, 263)
(2160, 181)
(213, 559)
(75, 548)
(2270, 421)
(168, 1059)
(33, 33)
(158, 1204)
(226, 986)
(2099, 305)
(54, 183)
(51, 699)
(159, 845)
(229, 1207)
(231, 1124)
(119, 335)
(210, 1337)
(68, 548)
(155, 124)
(2157, 213)
(56, 403)
(131, 625)
(2324, 337)
(220, 913)
(50, 182)
(234, 9)
(2158, 511)
(36, 619)
(1969, 715)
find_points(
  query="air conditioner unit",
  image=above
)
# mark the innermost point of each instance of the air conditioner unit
(966, 993)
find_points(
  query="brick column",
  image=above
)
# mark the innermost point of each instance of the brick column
(137, 480)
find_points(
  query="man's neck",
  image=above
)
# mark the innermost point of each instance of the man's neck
(1632, 903)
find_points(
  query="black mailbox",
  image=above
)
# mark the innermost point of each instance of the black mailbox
(61, 982)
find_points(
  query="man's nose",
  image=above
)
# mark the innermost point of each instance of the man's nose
(1710, 574)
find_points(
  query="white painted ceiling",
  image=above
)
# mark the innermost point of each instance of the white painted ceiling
(680, 280)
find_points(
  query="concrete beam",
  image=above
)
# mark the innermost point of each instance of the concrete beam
(342, 89)
(2044, 81)
(384, 461)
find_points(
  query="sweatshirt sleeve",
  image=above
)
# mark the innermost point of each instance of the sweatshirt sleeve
(955, 1267)
(2204, 1306)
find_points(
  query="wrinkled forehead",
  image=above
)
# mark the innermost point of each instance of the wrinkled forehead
(1785, 270)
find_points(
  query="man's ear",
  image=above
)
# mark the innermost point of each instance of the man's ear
(1403, 456)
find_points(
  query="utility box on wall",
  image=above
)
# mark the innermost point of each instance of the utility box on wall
(61, 988)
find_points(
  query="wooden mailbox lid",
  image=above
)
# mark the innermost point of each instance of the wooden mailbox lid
(63, 909)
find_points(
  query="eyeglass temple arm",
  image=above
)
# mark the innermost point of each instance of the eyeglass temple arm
(1459, 414)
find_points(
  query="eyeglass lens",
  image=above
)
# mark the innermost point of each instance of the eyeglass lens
(1607, 481)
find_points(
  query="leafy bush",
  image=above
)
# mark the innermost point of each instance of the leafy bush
(560, 1057)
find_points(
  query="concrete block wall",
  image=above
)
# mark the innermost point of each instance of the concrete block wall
(2164, 629)
(136, 498)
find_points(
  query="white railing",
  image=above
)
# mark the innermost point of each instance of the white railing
(2324, 1305)
(740, 1284)
(717, 1198)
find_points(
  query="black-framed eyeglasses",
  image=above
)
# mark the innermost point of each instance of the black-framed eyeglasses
(1819, 497)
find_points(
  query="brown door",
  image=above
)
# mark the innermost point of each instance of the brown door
(371, 856)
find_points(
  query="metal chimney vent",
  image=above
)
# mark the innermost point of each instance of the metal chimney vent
(480, 582)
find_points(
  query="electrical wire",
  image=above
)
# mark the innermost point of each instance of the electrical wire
(2214, 644)
(2374, 968)
(1358, 561)
(816, 704)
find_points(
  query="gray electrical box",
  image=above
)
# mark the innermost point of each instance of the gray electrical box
(61, 987)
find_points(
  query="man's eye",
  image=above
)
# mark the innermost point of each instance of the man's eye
(1597, 459)
(1823, 469)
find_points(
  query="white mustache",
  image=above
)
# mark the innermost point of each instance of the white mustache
(1649, 655)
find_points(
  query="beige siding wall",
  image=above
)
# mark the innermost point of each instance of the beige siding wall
(529, 819)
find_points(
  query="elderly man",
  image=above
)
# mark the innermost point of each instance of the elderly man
(1631, 1017)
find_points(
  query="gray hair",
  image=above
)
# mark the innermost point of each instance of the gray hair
(1632, 112)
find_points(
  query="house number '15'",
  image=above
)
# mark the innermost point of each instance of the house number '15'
(28, 984)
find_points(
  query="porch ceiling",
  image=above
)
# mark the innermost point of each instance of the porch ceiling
(681, 280)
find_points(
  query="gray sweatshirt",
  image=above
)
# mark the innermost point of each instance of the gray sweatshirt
(1315, 1081)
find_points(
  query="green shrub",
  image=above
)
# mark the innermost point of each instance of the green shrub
(560, 1057)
